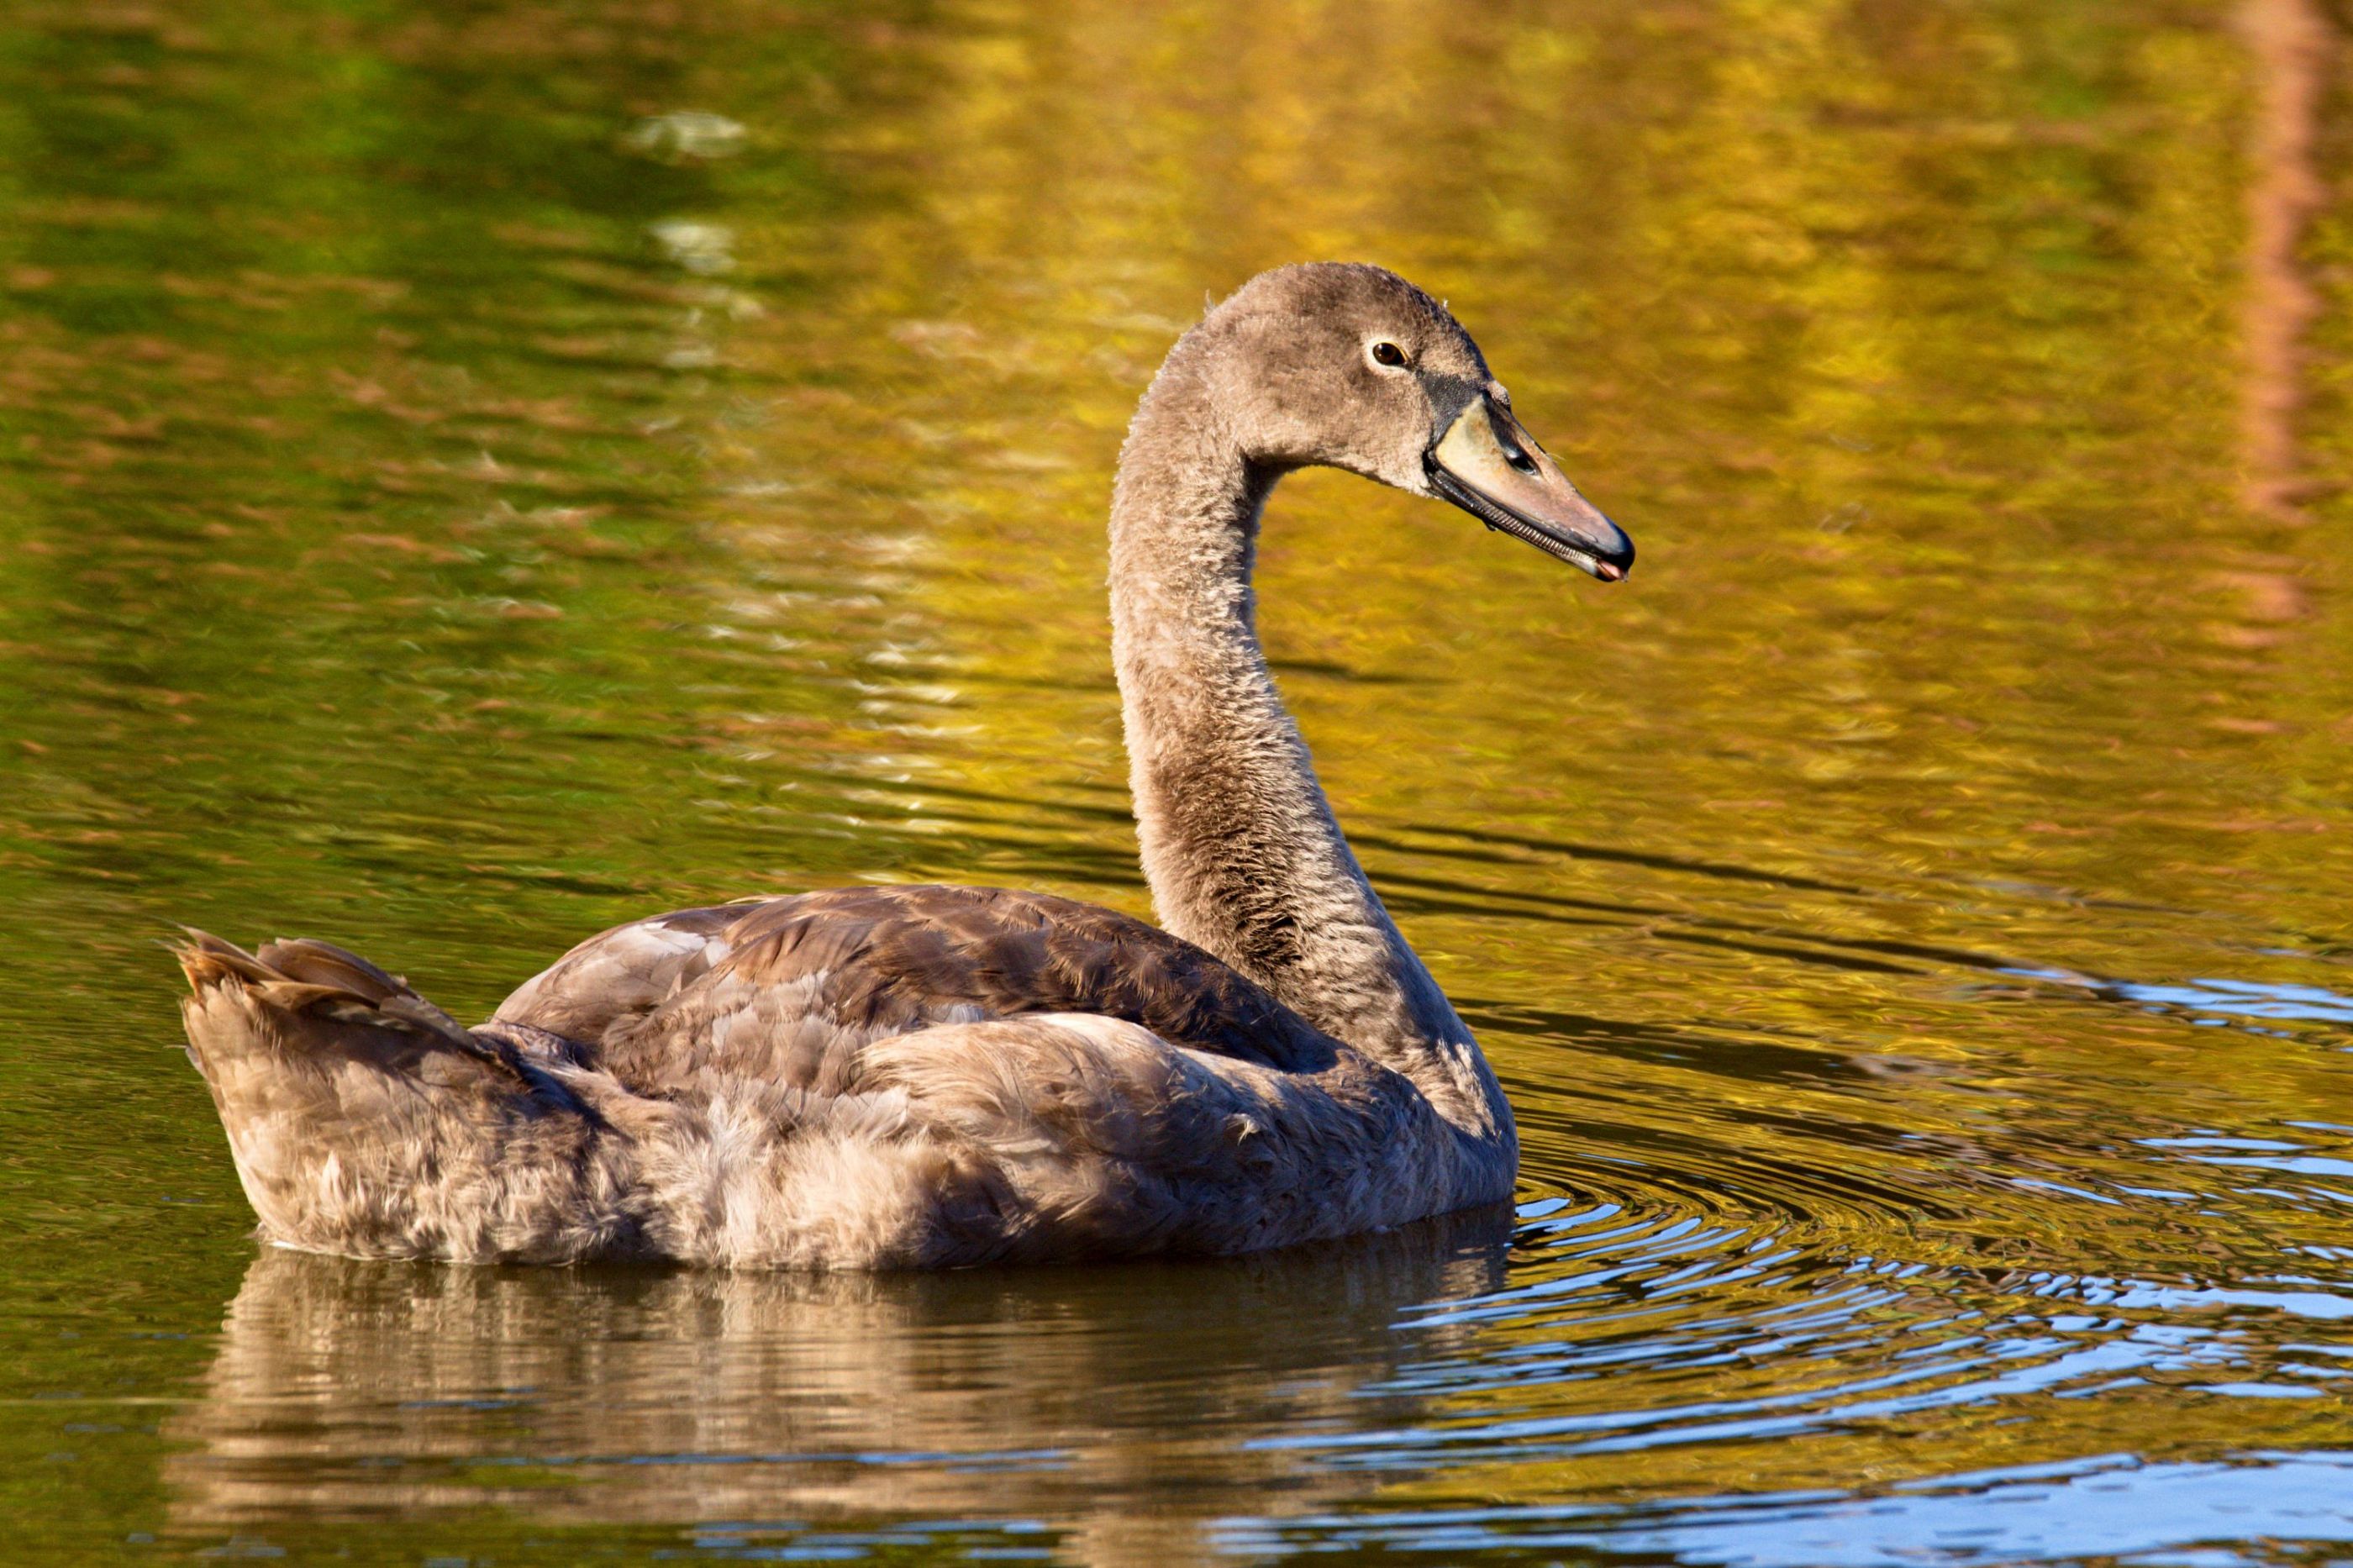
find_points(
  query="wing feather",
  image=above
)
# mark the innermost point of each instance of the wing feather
(792, 989)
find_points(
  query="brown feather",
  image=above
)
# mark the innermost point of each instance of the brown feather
(657, 1003)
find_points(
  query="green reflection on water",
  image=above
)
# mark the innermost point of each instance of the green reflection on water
(451, 506)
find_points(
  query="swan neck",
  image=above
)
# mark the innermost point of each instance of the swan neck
(1242, 849)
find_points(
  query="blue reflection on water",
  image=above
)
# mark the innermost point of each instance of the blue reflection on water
(2109, 1505)
(2214, 1000)
(2244, 998)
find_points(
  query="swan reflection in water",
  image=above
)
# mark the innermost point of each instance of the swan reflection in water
(1119, 1403)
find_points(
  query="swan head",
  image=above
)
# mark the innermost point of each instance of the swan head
(1350, 366)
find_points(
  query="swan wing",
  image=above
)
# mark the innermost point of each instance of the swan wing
(791, 990)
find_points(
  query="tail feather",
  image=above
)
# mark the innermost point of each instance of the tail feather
(207, 960)
(366, 1121)
(304, 974)
(324, 964)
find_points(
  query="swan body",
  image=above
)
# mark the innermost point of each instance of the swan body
(928, 1077)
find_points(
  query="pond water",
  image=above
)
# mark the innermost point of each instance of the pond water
(472, 473)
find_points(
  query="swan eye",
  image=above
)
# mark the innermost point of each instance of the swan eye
(1388, 353)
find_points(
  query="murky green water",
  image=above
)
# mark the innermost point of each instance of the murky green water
(470, 473)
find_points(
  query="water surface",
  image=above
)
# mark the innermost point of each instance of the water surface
(473, 473)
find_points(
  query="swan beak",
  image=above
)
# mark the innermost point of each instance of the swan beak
(1492, 468)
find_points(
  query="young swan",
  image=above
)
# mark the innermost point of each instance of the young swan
(925, 1077)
